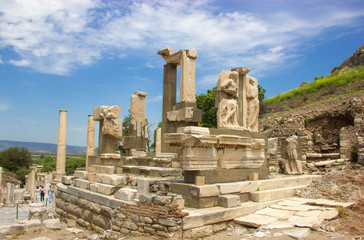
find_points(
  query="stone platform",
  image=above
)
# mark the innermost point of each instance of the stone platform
(258, 191)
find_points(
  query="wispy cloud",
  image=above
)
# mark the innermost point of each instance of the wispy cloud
(157, 98)
(56, 37)
(4, 106)
(27, 121)
(1, 60)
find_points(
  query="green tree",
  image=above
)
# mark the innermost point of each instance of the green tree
(15, 158)
(73, 163)
(206, 102)
(126, 125)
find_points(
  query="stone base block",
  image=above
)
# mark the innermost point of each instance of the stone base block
(224, 175)
(81, 183)
(68, 180)
(80, 174)
(228, 201)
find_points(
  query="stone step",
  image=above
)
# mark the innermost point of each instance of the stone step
(149, 161)
(206, 216)
(274, 194)
(101, 169)
(153, 171)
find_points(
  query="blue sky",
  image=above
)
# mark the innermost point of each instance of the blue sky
(80, 54)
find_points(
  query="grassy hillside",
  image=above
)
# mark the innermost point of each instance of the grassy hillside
(330, 82)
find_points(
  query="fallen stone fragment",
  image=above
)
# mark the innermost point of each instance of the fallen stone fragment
(331, 203)
(314, 213)
(329, 214)
(52, 223)
(308, 222)
(41, 238)
(298, 233)
(74, 230)
(277, 213)
(255, 220)
(278, 225)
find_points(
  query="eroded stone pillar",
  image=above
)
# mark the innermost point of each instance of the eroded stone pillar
(187, 83)
(31, 180)
(90, 146)
(9, 194)
(158, 141)
(61, 145)
(1, 177)
(110, 127)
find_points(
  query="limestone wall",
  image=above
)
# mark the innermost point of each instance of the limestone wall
(150, 216)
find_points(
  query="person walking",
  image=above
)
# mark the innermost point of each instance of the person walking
(41, 193)
(50, 195)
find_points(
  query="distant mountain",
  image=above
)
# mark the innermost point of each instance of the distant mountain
(40, 147)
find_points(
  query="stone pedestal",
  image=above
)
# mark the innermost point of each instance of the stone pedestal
(90, 146)
(61, 145)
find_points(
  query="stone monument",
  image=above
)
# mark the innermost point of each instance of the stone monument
(9, 200)
(233, 151)
(292, 156)
(109, 131)
(136, 143)
(184, 113)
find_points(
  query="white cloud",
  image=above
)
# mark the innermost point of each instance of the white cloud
(56, 36)
(1, 60)
(4, 106)
(20, 63)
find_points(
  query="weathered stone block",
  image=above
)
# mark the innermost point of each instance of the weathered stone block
(228, 201)
(126, 194)
(143, 186)
(52, 224)
(253, 176)
(82, 183)
(204, 191)
(80, 174)
(67, 180)
(200, 180)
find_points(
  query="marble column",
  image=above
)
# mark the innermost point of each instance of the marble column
(61, 146)
(31, 181)
(90, 147)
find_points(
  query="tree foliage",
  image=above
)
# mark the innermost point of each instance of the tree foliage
(48, 163)
(73, 163)
(16, 160)
(206, 102)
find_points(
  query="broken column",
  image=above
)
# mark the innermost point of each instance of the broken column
(9, 201)
(185, 112)
(110, 127)
(1, 177)
(136, 143)
(90, 147)
(61, 145)
(31, 180)
(158, 140)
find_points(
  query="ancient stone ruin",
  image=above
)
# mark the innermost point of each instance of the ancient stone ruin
(198, 180)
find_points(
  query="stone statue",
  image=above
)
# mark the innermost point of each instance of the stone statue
(229, 82)
(228, 113)
(110, 127)
(253, 104)
(293, 164)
